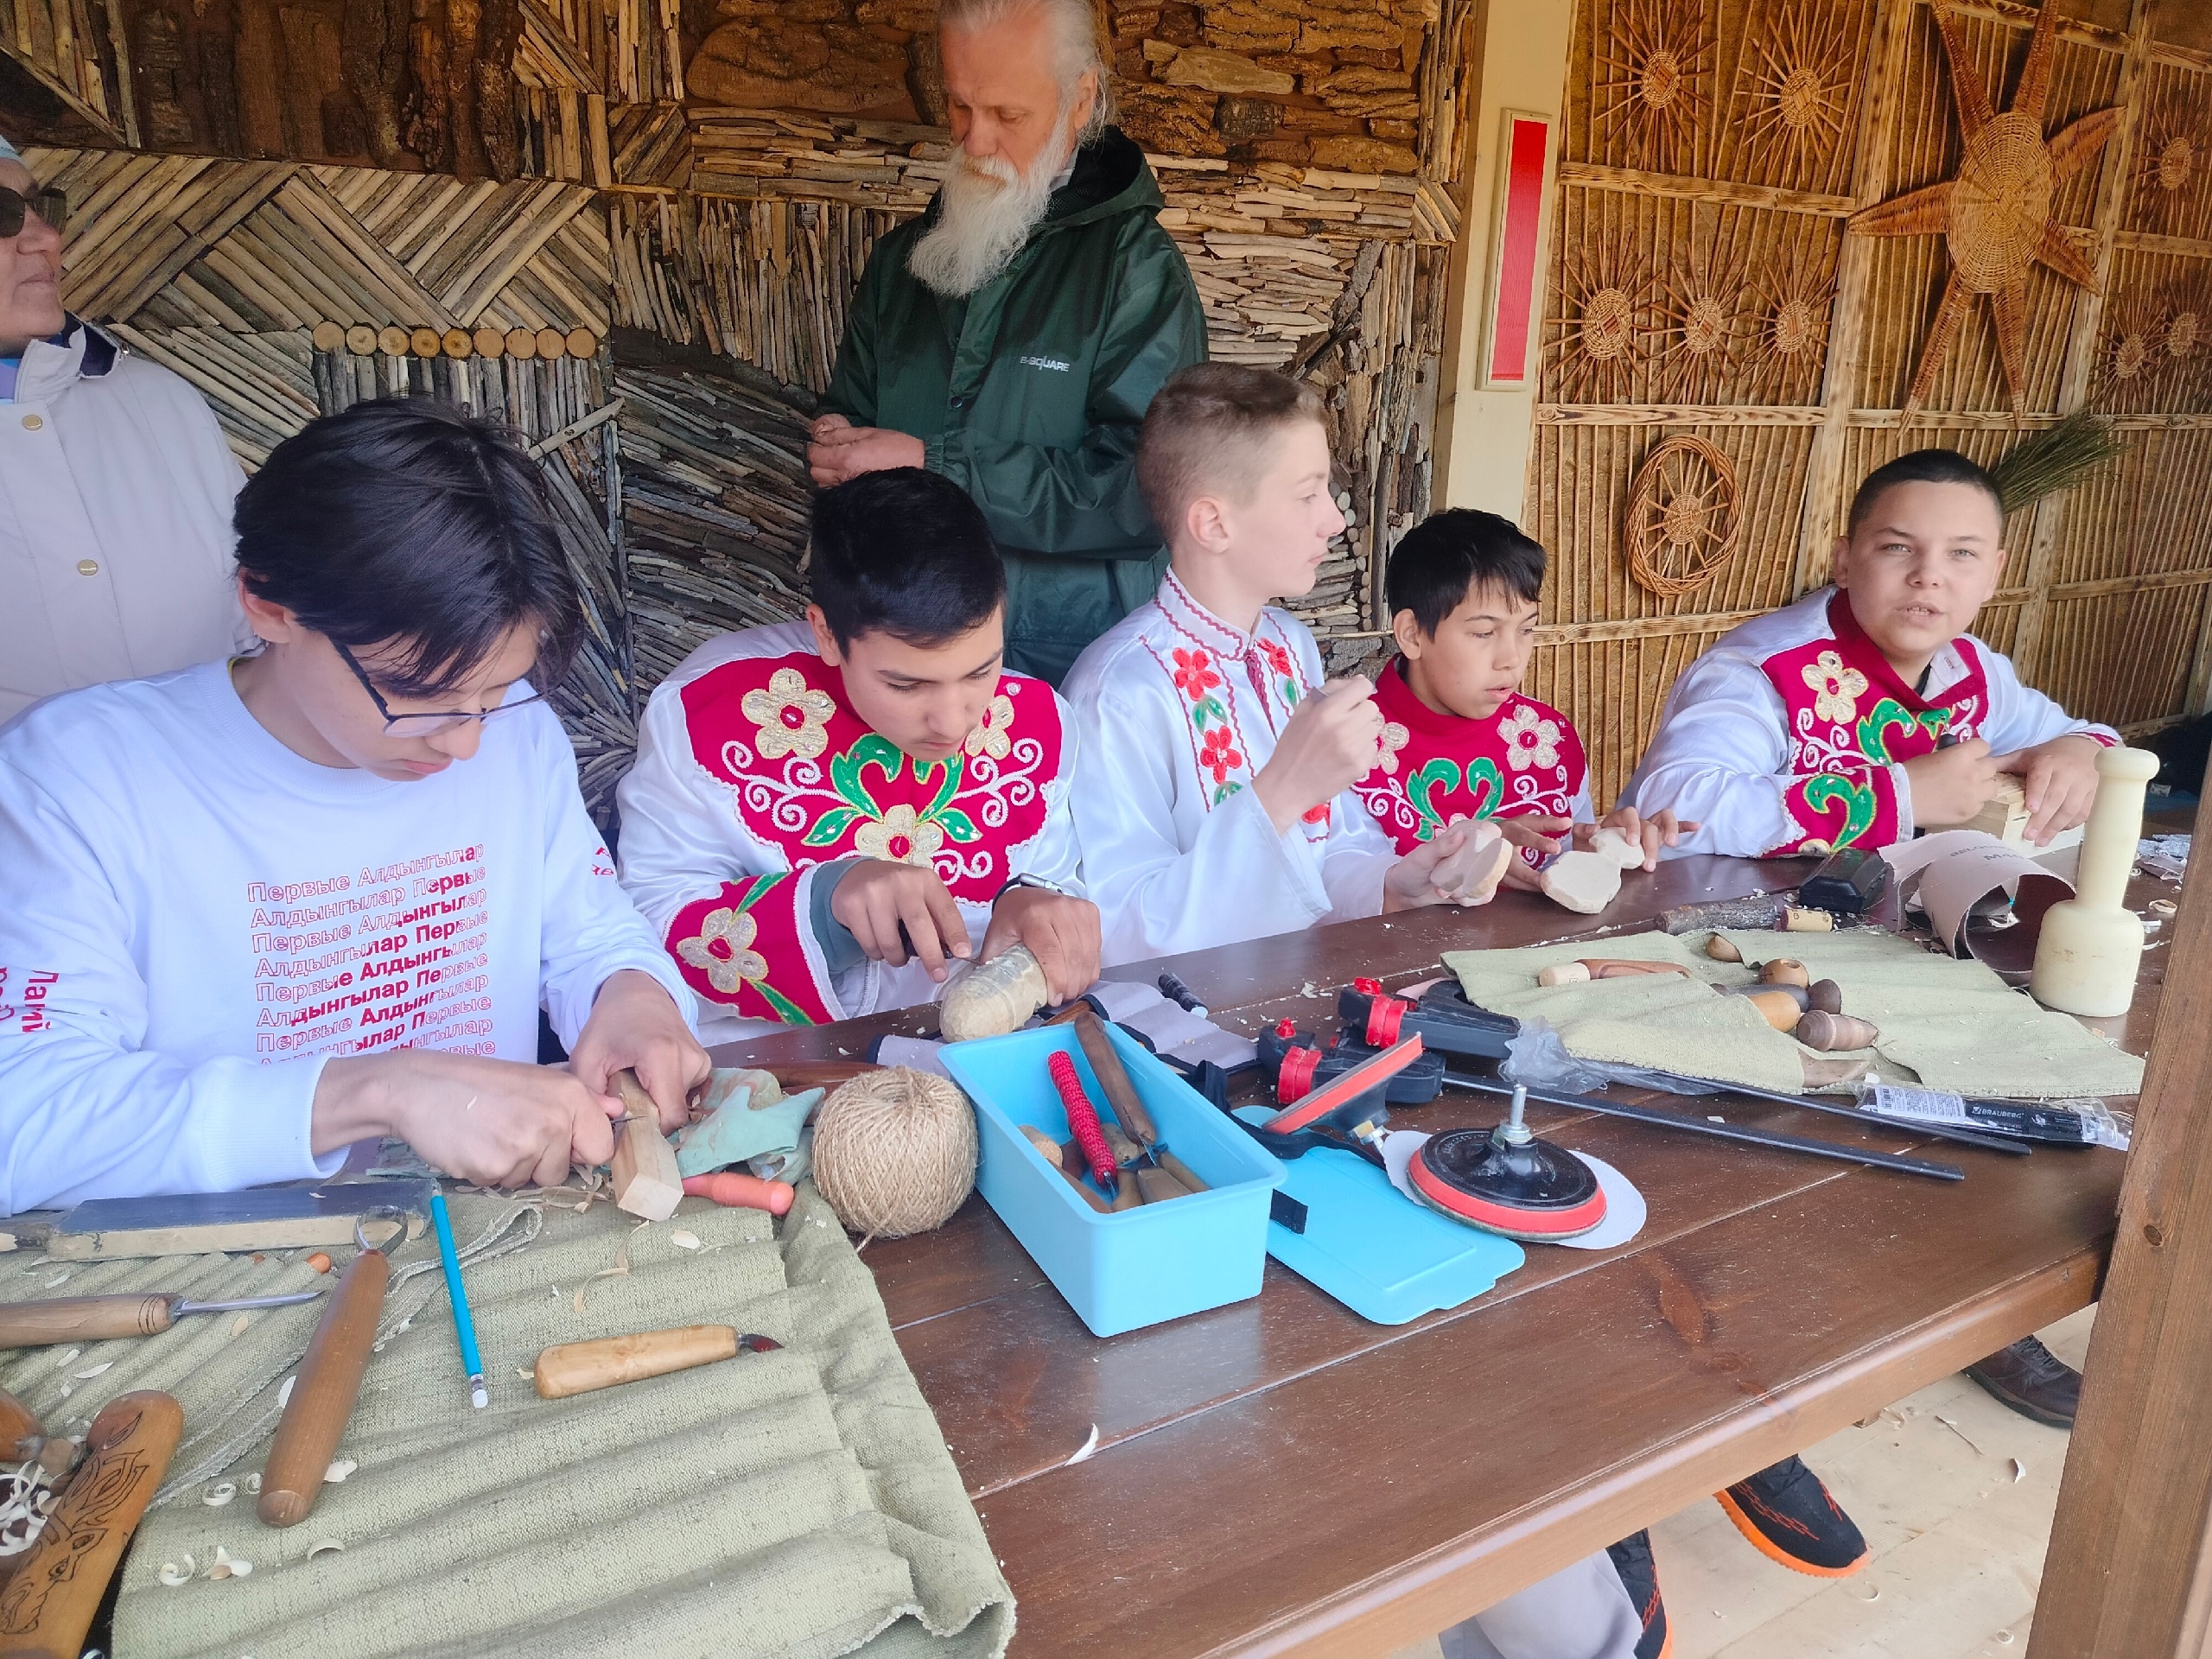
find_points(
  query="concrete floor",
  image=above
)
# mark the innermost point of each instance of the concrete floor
(1955, 1494)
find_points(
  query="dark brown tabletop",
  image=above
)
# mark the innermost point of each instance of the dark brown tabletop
(1281, 1476)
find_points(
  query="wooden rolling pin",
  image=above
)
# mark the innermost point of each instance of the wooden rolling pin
(48, 1604)
(647, 1183)
(323, 1393)
(569, 1368)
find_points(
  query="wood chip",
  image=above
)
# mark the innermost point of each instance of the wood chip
(1089, 1446)
(219, 1494)
(284, 1393)
(61, 1360)
(324, 1548)
(87, 1375)
(174, 1574)
(240, 1326)
(340, 1468)
(684, 1240)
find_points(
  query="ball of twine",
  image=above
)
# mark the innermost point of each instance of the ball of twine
(894, 1152)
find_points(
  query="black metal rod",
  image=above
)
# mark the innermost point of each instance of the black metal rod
(1769, 1138)
(1939, 1131)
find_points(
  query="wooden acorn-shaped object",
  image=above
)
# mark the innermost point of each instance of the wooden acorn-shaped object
(1784, 971)
(1721, 948)
(1829, 1032)
(1826, 995)
(1778, 1005)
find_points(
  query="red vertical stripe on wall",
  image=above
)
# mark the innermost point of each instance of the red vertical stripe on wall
(1517, 264)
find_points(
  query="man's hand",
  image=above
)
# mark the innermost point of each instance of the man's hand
(877, 894)
(634, 1023)
(1329, 743)
(841, 450)
(495, 1122)
(1950, 786)
(1660, 829)
(2059, 780)
(1461, 864)
(1061, 932)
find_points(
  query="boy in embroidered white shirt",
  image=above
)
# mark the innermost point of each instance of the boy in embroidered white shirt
(1214, 763)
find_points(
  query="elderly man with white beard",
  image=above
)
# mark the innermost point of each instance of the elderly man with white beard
(1013, 337)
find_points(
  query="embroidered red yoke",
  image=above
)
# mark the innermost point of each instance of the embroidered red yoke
(1790, 735)
(754, 772)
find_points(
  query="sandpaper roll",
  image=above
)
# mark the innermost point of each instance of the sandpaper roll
(329, 1383)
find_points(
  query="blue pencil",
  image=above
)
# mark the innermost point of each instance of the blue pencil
(463, 1326)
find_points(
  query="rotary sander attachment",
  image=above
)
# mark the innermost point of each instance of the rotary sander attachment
(1505, 1180)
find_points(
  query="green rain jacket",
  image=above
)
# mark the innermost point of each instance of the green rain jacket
(1029, 393)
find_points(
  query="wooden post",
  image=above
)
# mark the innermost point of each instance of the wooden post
(2129, 1572)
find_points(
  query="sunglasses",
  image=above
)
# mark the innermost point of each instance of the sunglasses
(51, 206)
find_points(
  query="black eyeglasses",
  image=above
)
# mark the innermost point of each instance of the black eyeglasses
(412, 725)
(52, 205)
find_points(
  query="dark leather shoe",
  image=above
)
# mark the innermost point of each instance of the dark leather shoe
(2033, 1380)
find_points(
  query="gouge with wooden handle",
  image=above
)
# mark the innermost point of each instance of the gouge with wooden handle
(569, 1368)
(327, 1384)
(94, 1319)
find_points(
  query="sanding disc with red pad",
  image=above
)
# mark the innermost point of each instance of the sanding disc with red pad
(1536, 1192)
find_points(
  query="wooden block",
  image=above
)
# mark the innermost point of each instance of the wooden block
(1611, 843)
(647, 1183)
(582, 342)
(522, 342)
(2004, 815)
(1583, 882)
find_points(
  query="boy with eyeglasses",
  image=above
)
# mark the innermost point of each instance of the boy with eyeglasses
(254, 912)
(115, 486)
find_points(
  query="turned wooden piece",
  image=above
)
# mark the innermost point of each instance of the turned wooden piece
(1784, 971)
(1831, 1031)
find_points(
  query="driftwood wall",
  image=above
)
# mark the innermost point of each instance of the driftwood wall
(631, 228)
(1749, 313)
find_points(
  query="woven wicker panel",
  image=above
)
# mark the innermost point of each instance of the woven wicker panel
(2146, 517)
(2154, 348)
(1581, 479)
(2123, 659)
(1613, 691)
(2170, 188)
(1998, 627)
(1795, 73)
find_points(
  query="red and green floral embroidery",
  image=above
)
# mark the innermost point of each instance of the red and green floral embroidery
(1889, 714)
(1832, 810)
(807, 777)
(1524, 760)
(1219, 755)
(1286, 671)
(729, 947)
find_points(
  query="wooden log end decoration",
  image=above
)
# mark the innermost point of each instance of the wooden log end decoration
(490, 341)
(1683, 521)
(1830, 1032)
(1796, 919)
(49, 1602)
(582, 342)
(392, 340)
(328, 336)
(457, 343)
(992, 998)
(895, 1152)
(361, 339)
(425, 342)
(647, 1183)
(522, 342)
(552, 343)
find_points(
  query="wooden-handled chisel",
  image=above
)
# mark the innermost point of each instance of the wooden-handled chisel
(95, 1319)
(49, 1604)
(323, 1392)
(1129, 1108)
(569, 1368)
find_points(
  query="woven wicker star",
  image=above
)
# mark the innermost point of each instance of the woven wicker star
(1996, 213)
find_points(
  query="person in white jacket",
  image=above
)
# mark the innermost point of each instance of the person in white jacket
(823, 812)
(255, 911)
(115, 487)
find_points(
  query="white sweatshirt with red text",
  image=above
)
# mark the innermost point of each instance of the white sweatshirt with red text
(193, 919)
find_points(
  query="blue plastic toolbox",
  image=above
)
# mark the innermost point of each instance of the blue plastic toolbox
(1129, 1267)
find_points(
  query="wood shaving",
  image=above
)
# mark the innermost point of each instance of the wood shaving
(91, 1372)
(62, 1360)
(619, 1270)
(219, 1494)
(225, 1567)
(683, 1241)
(68, 1389)
(240, 1326)
(2019, 1471)
(326, 1546)
(174, 1574)
(253, 1482)
(340, 1468)
(1089, 1446)
(284, 1391)
(57, 1279)
(1956, 1430)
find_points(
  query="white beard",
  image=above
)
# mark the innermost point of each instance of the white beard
(986, 210)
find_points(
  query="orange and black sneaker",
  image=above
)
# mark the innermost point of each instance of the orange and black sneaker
(1790, 1518)
(1632, 1559)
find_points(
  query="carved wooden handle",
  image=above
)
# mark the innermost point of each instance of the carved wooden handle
(579, 1367)
(329, 1381)
(81, 1318)
(48, 1604)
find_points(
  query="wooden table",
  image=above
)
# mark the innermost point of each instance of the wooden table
(1281, 1476)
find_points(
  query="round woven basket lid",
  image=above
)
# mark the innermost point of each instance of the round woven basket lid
(1682, 520)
